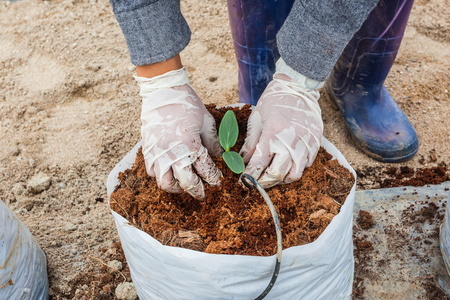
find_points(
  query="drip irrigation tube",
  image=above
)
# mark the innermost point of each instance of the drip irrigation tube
(247, 179)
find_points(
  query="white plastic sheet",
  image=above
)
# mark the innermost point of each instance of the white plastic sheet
(319, 270)
(445, 237)
(22, 262)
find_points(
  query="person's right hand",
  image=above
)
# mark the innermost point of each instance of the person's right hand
(178, 133)
(285, 128)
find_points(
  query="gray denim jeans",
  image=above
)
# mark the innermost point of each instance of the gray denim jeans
(310, 41)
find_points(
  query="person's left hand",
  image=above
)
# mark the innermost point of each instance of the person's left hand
(284, 130)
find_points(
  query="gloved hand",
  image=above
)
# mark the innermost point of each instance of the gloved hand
(178, 133)
(285, 128)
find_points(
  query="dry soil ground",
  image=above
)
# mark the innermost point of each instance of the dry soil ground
(69, 108)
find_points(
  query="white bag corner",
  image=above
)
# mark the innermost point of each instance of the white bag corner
(22, 261)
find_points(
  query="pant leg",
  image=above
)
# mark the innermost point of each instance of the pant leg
(155, 30)
(254, 25)
(316, 32)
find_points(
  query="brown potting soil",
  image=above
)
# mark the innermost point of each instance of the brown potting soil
(361, 253)
(405, 176)
(365, 220)
(388, 177)
(232, 219)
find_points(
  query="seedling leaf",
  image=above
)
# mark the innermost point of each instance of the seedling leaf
(228, 130)
(234, 161)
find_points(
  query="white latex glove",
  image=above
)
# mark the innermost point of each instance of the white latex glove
(178, 133)
(285, 129)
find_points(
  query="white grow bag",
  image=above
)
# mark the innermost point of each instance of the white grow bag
(319, 270)
(23, 265)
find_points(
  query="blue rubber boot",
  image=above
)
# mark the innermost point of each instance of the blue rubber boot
(356, 85)
(254, 26)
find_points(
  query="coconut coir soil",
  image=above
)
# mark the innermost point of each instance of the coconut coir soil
(232, 219)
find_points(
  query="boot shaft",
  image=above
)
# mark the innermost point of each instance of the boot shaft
(356, 85)
(254, 26)
(369, 56)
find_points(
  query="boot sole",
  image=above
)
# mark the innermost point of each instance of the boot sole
(397, 159)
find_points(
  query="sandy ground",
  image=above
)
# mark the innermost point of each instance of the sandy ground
(69, 108)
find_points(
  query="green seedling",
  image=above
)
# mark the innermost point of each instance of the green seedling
(228, 134)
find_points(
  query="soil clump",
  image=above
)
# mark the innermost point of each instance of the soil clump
(365, 220)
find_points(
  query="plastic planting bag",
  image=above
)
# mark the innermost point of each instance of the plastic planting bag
(445, 237)
(319, 270)
(23, 266)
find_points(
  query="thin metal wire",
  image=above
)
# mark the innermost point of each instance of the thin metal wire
(247, 179)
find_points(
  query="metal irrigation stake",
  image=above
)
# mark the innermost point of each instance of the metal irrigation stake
(247, 179)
